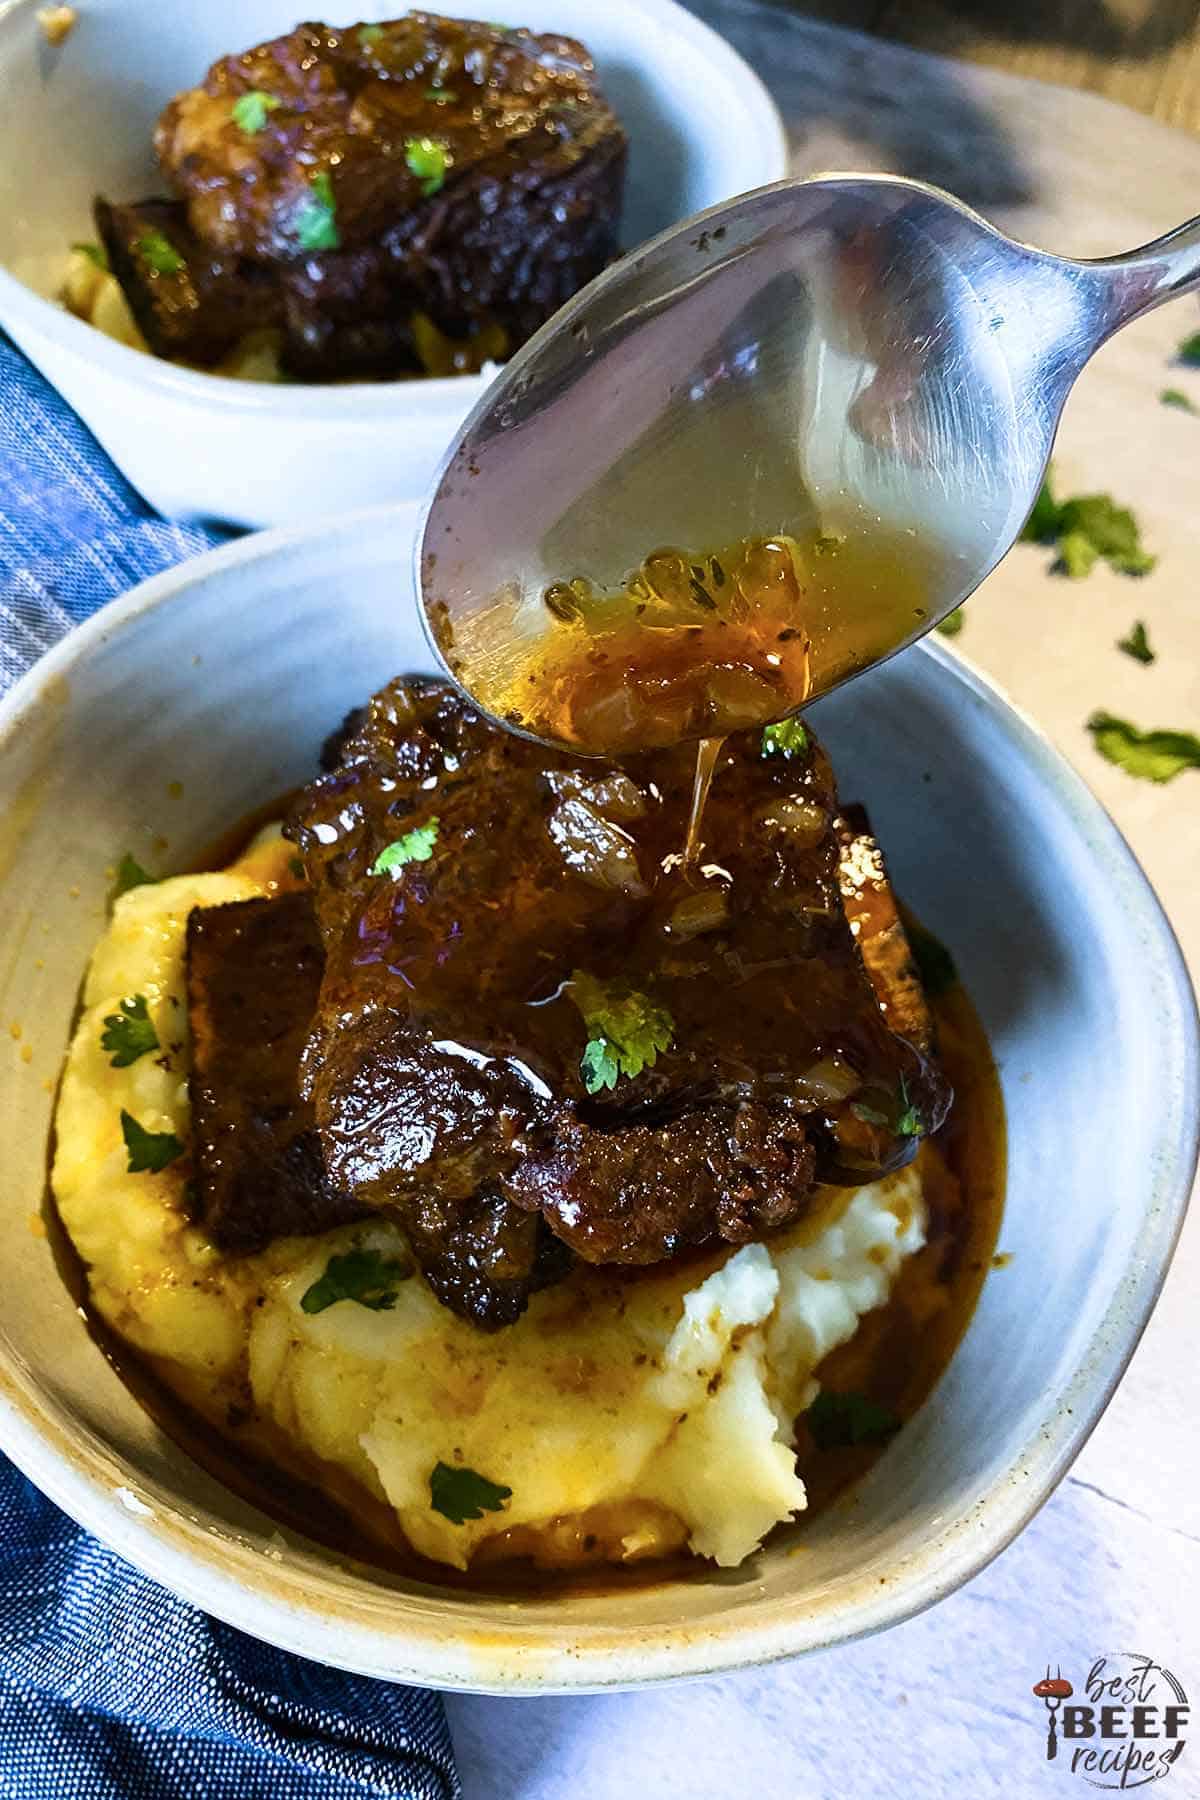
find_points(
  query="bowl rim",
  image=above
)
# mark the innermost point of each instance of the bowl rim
(438, 394)
(90, 1482)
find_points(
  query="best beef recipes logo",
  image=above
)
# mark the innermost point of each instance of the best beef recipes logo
(1126, 1728)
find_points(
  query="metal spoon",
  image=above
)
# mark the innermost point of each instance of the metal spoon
(857, 355)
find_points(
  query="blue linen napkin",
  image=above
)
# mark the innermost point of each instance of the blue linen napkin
(111, 1689)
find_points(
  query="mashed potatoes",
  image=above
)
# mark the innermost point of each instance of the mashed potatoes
(627, 1416)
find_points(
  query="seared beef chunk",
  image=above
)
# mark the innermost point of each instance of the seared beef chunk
(485, 1256)
(254, 972)
(446, 1115)
(446, 1051)
(415, 196)
(465, 278)
(500, 105)
(190, 302)
(646, 1190)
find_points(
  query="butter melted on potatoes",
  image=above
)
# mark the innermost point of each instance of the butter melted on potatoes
(618, 1419)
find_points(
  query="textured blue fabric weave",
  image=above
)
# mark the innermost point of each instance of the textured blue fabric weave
(110, 1689)
(73, 533)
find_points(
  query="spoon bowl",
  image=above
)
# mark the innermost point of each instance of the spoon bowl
(856, 362)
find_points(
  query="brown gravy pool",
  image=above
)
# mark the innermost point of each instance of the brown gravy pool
(896, 1356)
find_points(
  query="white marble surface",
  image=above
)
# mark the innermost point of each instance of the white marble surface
(942, 1705)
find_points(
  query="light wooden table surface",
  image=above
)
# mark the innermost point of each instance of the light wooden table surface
(1143, 52)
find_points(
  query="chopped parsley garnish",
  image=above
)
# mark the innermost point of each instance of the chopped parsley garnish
(415, 846)
(1137, 644)
(428, 161)
(934, 962)
(600, 1065)
(250, 111)
(952, 624)
(1149, 755)
(1077, 556)
(130, 874)
(159, 254)
(788, 738)
(1085, 529)
(840, 1420)
(129, 1032)
(1188, 352)
(462, 1494)
(149, 1151)
(95, 253)
(315, 220)
(910, 1123)
(1177, 398)
(296, 867)
(439, 95)
(362, 1275)
(626, 1030)
(369, 34)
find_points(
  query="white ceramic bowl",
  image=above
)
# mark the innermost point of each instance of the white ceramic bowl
(79, 119)
(224, 677)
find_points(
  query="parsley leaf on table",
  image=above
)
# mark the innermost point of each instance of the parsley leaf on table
(129, 1032)
(1149, 755)
(130, 874)
(1077, 555)
(1084, 529)
(1137, 644)
(1041, 527)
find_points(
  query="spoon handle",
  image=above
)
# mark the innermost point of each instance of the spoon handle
(1143, 279)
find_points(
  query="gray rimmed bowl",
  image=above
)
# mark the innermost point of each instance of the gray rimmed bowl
(221, 678)
(80, 117)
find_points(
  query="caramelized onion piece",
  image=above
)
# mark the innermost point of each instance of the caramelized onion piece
(596, 849)
(804, 821)
(613, 719)
(614, 793)
(738, 698)
(829, 1081)
(704, 911)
